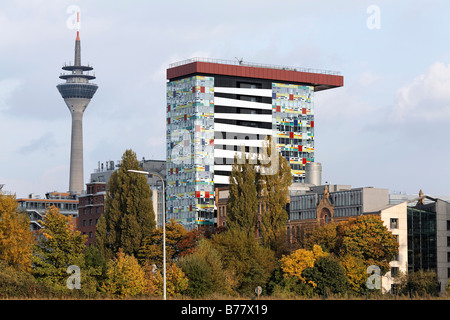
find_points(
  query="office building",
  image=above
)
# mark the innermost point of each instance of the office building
(215, 107)
(91, 206)
(36, 207)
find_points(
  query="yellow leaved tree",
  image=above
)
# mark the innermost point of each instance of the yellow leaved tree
(16, 239)
(299, 260)
(124, 276)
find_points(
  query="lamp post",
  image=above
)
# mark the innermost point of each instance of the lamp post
(163, 224)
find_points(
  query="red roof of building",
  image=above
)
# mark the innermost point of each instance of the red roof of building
(321, 80)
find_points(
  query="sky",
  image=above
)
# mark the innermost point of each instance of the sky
(387, 127)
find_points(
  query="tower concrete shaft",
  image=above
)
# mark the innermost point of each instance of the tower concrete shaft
(77, 93)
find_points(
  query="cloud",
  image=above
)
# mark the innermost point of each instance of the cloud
(45, 143)
(424, 99)
(7, 88)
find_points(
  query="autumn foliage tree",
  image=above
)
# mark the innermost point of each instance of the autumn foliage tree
(16, 239)
(367, 238)
(124, 276)
(59, 245)
(364, 237)
(299, 260)
(151, 250)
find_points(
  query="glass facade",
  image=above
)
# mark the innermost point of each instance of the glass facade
(346, 204)
(77, 90)
(190, 151)
(422, 248)
(293, 125)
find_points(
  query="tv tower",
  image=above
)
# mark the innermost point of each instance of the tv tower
(77, 92)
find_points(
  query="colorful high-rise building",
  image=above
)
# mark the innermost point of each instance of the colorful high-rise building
(217, 107)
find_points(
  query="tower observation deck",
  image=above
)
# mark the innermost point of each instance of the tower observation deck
(77, 92)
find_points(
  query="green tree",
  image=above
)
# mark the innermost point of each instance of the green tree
(328, 276)
(59, 245)
(419, 283)
(199, 274)
(129, 215)
(249, 263)
(242, 206)
(275, 178)
(16, 239)
(205, 271)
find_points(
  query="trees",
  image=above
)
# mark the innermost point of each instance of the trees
(129, 215)
(418, 283)
(301, 259)
(249, 263)
(58, 247)
(205, 271)
(16, 239)
(263, 183)
(151, 250)
(364, 237)
(327, 275)
(275, 179)
(176, 281)
(124, 276)
(242, 206)
(367, 238)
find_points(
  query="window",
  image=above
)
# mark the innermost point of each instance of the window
(394, 271)
(394, 223)
(448, 224)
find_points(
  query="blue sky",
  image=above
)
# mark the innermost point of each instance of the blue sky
(388, 127)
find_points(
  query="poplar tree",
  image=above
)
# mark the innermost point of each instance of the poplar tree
(129, 215)
(274, 179)
(242, 206)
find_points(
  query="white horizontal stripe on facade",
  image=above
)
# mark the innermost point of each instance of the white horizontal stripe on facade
(238, 142)
(244, 116)
(223, 167)
(241, 103)
(241, 129)
(245, 91)
(220, 153)
(221, 179)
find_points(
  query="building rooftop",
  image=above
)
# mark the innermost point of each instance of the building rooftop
(320, 79)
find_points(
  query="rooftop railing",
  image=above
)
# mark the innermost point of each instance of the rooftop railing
(253, 64)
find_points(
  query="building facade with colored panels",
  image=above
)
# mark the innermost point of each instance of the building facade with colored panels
(216, 108)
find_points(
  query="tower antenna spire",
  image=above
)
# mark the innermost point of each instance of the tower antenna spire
(78, 26)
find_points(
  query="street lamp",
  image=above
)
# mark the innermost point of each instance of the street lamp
(163, 223)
